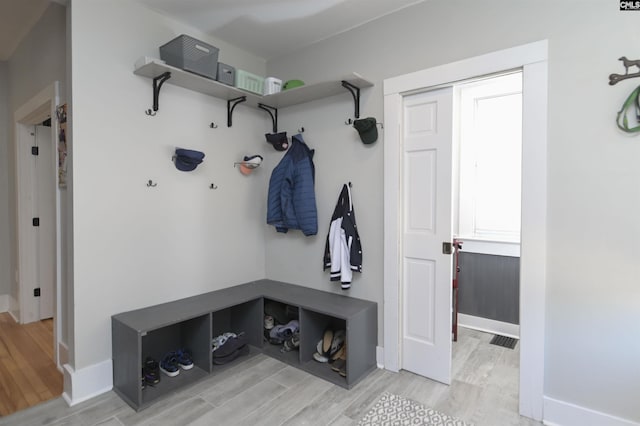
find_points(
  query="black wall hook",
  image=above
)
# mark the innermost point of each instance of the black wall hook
(151, 184)
(213, 125)
(213, 186)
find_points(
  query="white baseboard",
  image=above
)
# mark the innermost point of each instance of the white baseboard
(489, 325)
(561, 413)
(4, 303)
(14, 316)
(380, 356)
(86, 383)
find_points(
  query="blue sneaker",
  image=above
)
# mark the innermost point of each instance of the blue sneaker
(184, 359)
(169, 365)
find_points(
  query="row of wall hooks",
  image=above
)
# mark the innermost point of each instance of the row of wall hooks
(152, 184)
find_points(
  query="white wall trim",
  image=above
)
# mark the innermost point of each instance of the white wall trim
(63, 356)
(496, 248)
(380, 356)
(533, 59)
(4, 303)
(561, 413)
(490, 63)
(86, 383)
(489, 326)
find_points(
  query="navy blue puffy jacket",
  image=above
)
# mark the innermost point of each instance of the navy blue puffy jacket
(291, 202)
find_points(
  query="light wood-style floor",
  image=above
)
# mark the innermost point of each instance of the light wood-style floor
(263, 391)
(28, 374)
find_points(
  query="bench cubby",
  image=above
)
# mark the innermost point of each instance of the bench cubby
(191, 324)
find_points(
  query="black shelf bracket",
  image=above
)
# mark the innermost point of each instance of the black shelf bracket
(231, 104)
(355, 92)
(157, 84)
(273, 112)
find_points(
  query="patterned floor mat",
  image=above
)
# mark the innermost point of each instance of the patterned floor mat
(395, 410)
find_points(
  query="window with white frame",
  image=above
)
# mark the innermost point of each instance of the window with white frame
(490, 151)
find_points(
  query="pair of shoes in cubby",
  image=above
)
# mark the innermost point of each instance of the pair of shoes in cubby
(173, 361)
(230, 347)
(331, 345)
(339, 361)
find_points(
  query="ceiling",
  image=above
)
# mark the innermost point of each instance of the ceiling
(272, 28)
(17, 17)
(266, 28)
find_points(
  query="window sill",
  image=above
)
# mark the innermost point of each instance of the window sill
(496, 248)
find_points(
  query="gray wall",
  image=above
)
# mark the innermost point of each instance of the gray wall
(5, 245)
(593, 199)
(489, 287)
(135, 246)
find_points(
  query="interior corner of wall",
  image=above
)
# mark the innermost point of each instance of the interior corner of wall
(86, 383)
(4, 303)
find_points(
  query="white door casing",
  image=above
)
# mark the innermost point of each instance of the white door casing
(45, 210)
(532, 59)
(426, 270)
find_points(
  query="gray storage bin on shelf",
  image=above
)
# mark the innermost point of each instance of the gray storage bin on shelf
(226, 74)
(192, 55)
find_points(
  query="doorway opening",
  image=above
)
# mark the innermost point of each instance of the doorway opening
(35, 301)
(532, 59)
(487, 203)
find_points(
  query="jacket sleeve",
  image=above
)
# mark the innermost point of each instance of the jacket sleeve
(304, 197)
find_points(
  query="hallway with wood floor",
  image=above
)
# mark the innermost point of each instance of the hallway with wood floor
(28, 374)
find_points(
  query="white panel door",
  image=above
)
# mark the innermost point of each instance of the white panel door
(426, 271)
(45, 210)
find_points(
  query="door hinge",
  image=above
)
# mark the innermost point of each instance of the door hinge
(36, 292)
(447, 248)
(35, 150)
(35, 221)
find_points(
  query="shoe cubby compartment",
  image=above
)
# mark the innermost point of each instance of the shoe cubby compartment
(274, 345)
(189, 335)
(243, 318)
(134, 346)
(315, 324)
(191, 324)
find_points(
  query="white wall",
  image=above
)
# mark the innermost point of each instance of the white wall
(38, 61)
(136, 246)
(592, 294)
(5, 225)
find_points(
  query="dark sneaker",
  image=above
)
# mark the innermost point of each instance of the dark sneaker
(169, 365)
(291, 343)
(184, 359)
(151, 372)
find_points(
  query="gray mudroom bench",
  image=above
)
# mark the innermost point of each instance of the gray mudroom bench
(193, 322)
